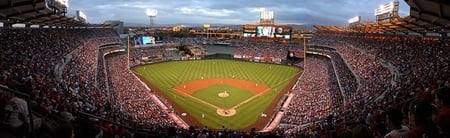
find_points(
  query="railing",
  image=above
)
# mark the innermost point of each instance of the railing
(26, 97)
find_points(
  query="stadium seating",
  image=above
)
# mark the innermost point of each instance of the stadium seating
(68, 72)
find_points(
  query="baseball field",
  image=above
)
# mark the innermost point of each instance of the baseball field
(216, 93)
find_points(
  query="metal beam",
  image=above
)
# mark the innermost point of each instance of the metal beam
(430, 13)
(447, 19)
(61, 21)
(421, 26)
(440, 2)
(12, 5)
(440, 10)
(418, 5)
(430, 22)
(407, 28)
(25, 12)
(51, 19)
(36, 17)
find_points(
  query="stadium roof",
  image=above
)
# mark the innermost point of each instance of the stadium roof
(431, 11)
(425, 16)
(35, 12)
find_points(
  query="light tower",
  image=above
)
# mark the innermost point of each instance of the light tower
(151, 13)
(266, 18)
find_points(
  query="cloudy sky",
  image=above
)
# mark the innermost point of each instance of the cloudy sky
(329, 12)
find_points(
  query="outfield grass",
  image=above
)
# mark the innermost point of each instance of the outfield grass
(211, 93)
(167, 75)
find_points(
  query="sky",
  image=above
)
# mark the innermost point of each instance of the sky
(324, 12)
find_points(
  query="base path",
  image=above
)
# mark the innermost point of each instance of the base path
(190, 87)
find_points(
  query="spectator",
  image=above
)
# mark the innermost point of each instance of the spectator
(423, 124)
(361, 131)
(394, 120)
(443, 102)
(64, 130)
(16, 116)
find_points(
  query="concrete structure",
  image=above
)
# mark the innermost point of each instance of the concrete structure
(116, 24)
(177, 28)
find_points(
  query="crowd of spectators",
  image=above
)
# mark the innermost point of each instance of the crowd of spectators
(318, 80)
(132, 98)
(375, 79)
(420, 60)
(175, 41)
(30, 57)
(79, 74)
(403, 105)
(260, 49)
(347, 78)
(102, 79)
(149, 54)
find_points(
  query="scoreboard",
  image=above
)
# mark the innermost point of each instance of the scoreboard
(267, 31)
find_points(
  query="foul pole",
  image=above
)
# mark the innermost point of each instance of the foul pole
(128, 51)
(304, 50)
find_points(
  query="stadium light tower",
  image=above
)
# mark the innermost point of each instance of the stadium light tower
(151, 13)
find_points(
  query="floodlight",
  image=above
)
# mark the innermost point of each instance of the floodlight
(151, 12)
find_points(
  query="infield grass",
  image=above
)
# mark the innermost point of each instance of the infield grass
(211, 95)
(167, 75)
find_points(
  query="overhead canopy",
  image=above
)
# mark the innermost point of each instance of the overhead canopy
(36, 12)
(334, 28)
(431, 11)
(425, 16)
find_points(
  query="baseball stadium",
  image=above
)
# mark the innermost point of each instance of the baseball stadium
(198, 69)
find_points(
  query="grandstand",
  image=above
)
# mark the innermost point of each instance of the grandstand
(63, 77)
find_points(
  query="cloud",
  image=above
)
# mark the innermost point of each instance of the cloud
(332, 12)
(200, 11)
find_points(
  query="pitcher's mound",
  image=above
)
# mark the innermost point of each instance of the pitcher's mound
(223, 94)
(226, 112)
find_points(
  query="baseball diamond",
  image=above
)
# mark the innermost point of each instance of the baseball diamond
(224, 69)
(192, 86)
(218, 92)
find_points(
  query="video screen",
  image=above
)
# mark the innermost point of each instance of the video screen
(283, 33)
(249, 31)
(265, 31)
(137, 41)
(287, 36)
(147, 40)
(143, 40)
(249, 34)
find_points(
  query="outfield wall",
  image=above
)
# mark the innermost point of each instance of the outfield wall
(220, 56)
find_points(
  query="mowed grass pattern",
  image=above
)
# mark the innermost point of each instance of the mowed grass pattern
(210, 95)
(167, 75)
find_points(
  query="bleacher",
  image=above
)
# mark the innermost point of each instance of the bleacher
(64, 81)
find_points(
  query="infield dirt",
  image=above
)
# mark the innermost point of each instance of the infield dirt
(192, 86)
(261, 122)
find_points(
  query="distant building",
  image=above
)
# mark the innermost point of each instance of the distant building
(116, 24)
(177, 28)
